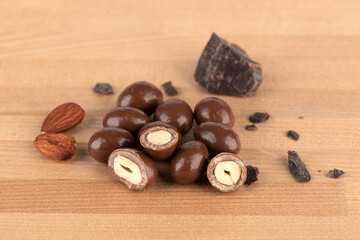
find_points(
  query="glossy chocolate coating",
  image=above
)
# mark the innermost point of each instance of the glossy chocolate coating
(147, 167)
(189, 162)
(159, 152)
(103, 142)
(128, 118)
(217, 137)
(175, 112)
(213, 109)
(141, 95)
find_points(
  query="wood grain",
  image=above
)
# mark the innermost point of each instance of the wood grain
(53, 52)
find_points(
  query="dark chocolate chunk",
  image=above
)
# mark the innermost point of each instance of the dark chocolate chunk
(169, 89)
(252, 173)
(297, 167)
(103, 88)
(259, 117)
(292, 134)
(250, 127)
(336, 173)
(225, 68)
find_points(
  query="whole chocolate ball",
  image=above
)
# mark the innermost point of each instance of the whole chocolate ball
(141, 95)
(217, 137)
(128, 118)
(175, 112)
(189, 162)
(105, 141)
(212, 109)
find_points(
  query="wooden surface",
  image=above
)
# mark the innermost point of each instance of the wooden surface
(55, 51)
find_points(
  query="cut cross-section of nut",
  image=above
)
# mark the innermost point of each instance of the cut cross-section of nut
(133, 168)
(226, 172)
(160, 137)
(159, 140)
(127, 169)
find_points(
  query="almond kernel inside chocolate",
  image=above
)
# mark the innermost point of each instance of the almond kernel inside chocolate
(127, 169)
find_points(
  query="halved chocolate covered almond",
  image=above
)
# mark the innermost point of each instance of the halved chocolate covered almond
(132, 167)
(159, 140)
(226, 172)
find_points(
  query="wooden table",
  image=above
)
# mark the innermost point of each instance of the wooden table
(53, 52)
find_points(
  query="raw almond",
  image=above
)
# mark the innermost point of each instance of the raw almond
(63, 117)
(57, 146)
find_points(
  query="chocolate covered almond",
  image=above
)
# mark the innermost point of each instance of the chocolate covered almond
(159, 140)
(212, 109)
(141, 95)
(189, 162)
(217, 137)
(102, 143)
(177, 113)
(133, 168)
(128, 118)
(226, 172)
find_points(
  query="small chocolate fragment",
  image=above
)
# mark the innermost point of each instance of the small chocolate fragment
(225, 68)
(141, 95)
(169, 89)
(189, 162)
(252, 173)
(301, 117)
(133, 168)
(335, 173)
(159, 140)
(292, 134)
(212, 109)
(217, 137)
(251, 127)
(226, 172)
(128, 118)
(175, 112)
(297, 167)
(103, 88)
(259, 117)
(103, 142)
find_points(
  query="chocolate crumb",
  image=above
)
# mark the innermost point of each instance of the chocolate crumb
(319, 170)
(103, 88)
(301, 117)
(336, 173)
(252, 173)
(297, 167)
(250, 127)
(259, 117)
(169, 89)
(292, 134)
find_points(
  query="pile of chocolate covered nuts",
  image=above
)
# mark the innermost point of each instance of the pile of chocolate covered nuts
(144, 128)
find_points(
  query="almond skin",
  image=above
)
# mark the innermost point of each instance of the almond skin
(62, 118)
(57, 146)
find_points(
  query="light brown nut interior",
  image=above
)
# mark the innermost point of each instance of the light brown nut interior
(226, 172)
(159, 137)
